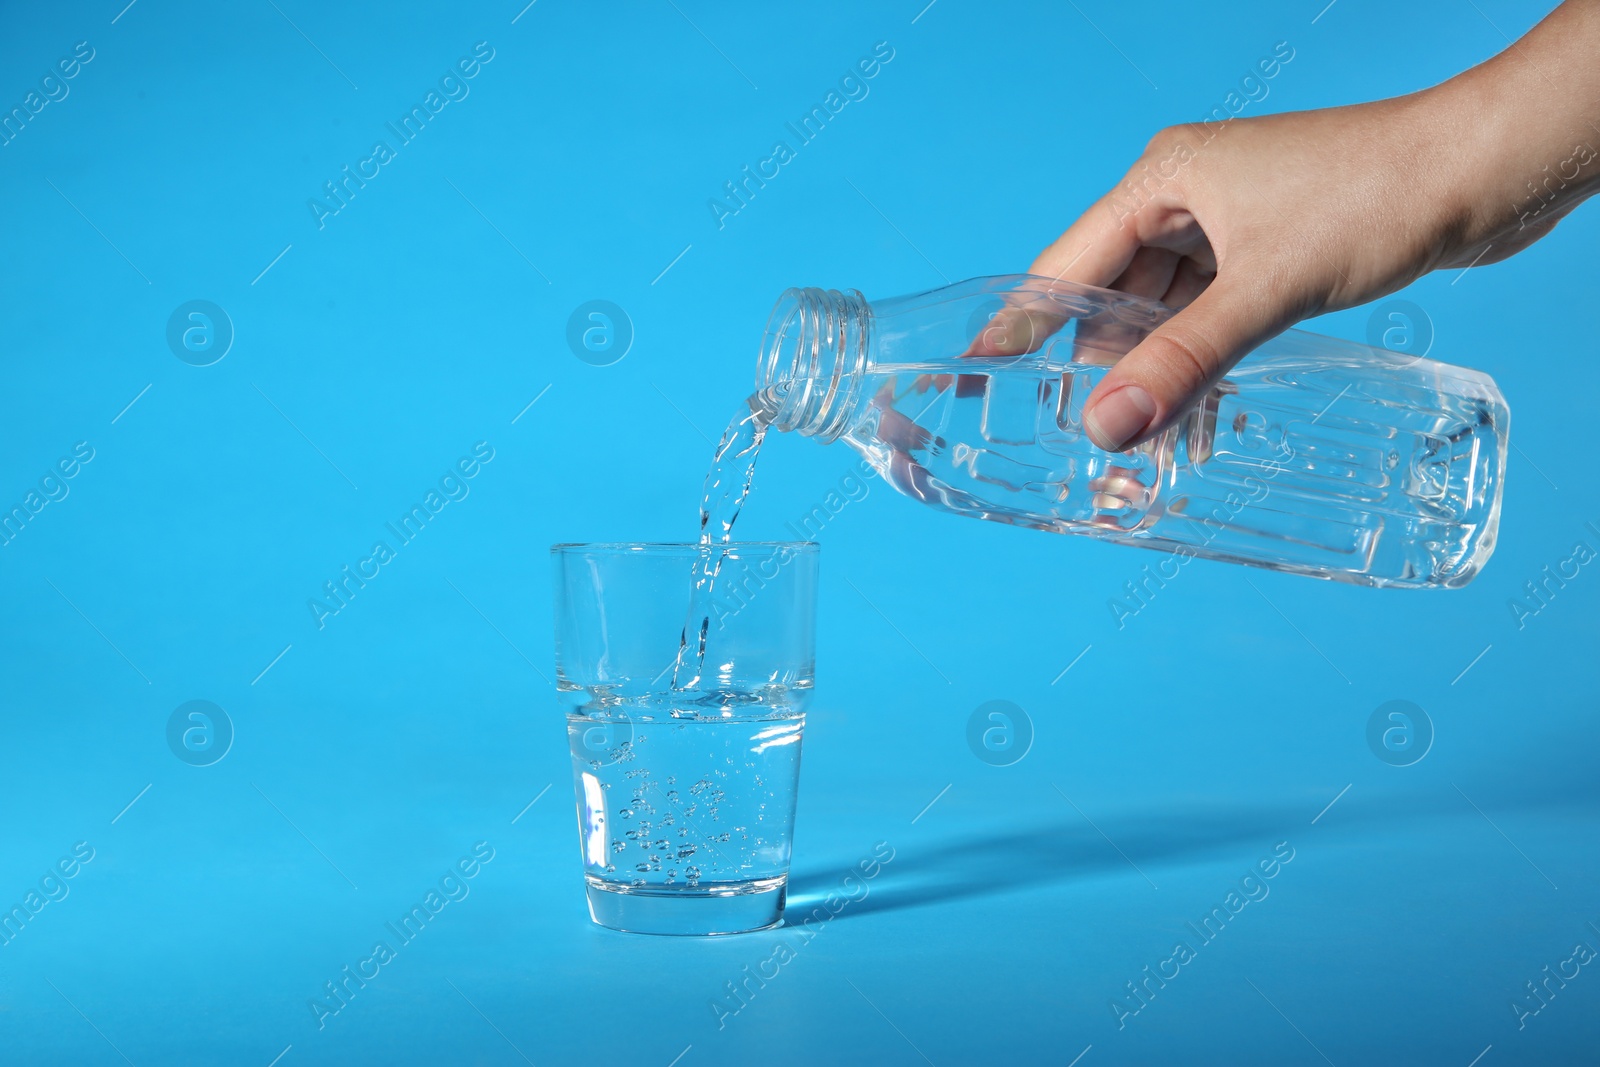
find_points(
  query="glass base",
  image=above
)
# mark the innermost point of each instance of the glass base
(701, 911)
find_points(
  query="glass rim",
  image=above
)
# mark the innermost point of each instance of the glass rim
(566, 547)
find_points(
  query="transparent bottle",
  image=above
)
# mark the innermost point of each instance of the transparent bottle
(1314, 455)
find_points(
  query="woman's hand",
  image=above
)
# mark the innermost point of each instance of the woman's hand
(1252, 225)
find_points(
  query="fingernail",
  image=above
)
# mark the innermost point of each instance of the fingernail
(1120, 417)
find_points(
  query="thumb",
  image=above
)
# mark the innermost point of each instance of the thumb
(1167, 372)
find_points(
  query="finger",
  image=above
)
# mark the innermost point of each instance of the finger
(1015, 330)
(1149, 273)
(1095, 249)
(1154, 272)
(1018, 329)
(896, 430)
(1188, 282)
(1101, 245)
(1183, 358)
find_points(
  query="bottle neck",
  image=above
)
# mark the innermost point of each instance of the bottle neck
(813, 361)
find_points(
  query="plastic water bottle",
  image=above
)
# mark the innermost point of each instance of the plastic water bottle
(1314, 455)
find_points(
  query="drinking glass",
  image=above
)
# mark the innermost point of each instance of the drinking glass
(684, 671)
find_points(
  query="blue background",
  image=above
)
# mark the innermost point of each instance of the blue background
(371, 754)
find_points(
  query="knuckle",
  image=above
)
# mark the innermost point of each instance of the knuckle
(1162, 140)
(1183, 357)
(1171, 139)
(1157, 178)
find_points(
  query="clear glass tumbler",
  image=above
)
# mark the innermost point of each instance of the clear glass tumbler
(685, 796)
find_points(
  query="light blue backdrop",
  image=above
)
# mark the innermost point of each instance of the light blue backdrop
(375, 346)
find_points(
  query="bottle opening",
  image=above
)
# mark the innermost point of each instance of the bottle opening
(813, 361)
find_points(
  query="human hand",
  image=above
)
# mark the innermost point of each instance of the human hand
(1252, 225)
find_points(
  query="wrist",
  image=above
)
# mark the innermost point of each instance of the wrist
(1517, 135)
(1474, 160)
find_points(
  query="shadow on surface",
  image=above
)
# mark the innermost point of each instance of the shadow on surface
(1139, 846)
(1068, 849)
